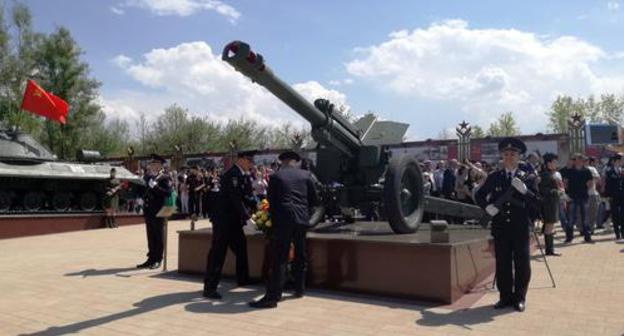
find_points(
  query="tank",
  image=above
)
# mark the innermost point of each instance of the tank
(33, 180)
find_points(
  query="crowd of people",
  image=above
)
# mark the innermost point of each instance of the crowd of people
(587, 188)
(197, 187)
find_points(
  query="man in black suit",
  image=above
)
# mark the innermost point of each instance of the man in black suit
(449, 179)
(291, 194)
(233, 209)
(194, 182)
(159, 187)
(511, 223)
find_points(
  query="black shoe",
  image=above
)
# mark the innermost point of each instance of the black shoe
(248, 282)
(502, 304)
(263, 303)
(520, 306)
(154, 265)
(297, 295)
(553, 254)
(568, 240)
(146, 264)
(589, 240)
(212, 294)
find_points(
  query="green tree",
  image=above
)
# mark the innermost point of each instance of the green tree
(505, 125)
(477, 132)
(245, 133)
(17, 64)
(608, 108)
(143, 128)
(560, 112)
(61, 71)
(110, 137)
(177, 127)
(611, 108)
(283, 136)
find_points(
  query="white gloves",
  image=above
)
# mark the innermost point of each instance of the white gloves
(250, 222)
(152, 183)
(519, 185)
(491, 210)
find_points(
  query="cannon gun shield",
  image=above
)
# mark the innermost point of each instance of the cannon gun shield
(403, 194)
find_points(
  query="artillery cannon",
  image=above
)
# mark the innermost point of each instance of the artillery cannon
(353, 164)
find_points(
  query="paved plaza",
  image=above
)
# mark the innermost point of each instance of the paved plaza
(85, 282)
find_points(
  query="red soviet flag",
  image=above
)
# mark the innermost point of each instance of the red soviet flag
(61, 108)
(38, 101)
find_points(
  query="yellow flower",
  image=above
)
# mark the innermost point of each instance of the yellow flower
(254, 216)
(268, 223)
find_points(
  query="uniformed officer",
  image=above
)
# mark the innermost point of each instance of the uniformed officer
(614, 189)
(291, 194)
(158, 187)
(234, 206)
(110, 201)
(511, 223)
(194, 182)
(549, 192)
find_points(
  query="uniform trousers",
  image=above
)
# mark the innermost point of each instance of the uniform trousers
(194, 203)
(154, 227)
(226, 234)
(513, 268)
(617, 216)
(280, 246)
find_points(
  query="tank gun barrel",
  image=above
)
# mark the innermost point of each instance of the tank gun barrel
(327, 128)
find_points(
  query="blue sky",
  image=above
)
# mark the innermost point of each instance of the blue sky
(428, 63)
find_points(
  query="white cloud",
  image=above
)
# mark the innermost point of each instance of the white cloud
(338, 82)
(117, 10)
(312, 90)
(485, 71)
(191, 75)
(118, 109)
(613, 6)
(122, 61)
(184, 7)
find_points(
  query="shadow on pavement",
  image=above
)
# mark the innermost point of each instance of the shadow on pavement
(95, 272)
(233, 303)
(579, 241)
(316, 292)
(462, 318)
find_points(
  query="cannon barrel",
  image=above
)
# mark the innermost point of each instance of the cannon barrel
(327, 128)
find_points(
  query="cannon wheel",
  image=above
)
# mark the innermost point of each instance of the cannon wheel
(88, 201)
(33, 201)
(5, 201)
(403, 194)
(61, 201)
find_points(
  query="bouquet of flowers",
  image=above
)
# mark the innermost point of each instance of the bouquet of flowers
(262, 217)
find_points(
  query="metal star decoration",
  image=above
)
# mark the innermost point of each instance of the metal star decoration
(464, 128)
(576, 120)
